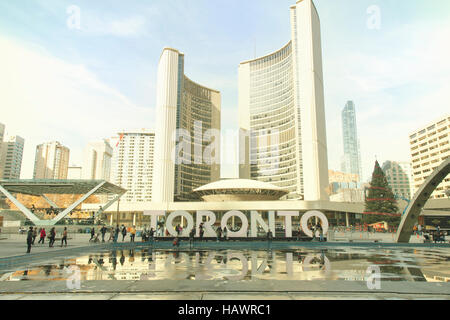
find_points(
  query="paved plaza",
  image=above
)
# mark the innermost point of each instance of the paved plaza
(13, 257)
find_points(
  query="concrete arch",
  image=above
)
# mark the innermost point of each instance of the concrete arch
(411, 215)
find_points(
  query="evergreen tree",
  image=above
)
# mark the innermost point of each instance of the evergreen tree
(380, 201)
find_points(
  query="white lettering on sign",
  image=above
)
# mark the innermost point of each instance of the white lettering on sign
(255, 218)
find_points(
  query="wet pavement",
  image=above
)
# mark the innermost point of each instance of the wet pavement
(243, 271)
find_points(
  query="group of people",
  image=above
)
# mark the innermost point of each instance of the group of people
(33, 233)
(114, 233)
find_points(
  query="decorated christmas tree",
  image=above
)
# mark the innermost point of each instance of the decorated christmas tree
(380, 201)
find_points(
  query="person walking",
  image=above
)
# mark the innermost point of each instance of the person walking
(178, 230)
(191, 237)
(103, 232)
(225, 233)
(34, 235)
(92, 234)
(132, 233)
(124, 233)
(419, 229)
(52, 237)
(219, 233)
(42, 235)
(64, 237)
(151, 235)
(29, 239)
(116, 234)
(269, 238)
(202, 231)
(319, 227)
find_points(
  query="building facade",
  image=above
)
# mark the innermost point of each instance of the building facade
(51, 161)
(132, 164)
(351, 161)
(2, 133)
(97, 161)
(399, 177)
(187, 150)
(430, 146)
(74, 173)
(11, 156)
(282, 114)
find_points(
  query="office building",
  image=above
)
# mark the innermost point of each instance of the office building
(399, 177)
(97, 161)
(51, 161)
(351, 161)
(74, 173)
(11, 157)
(430, 146)
(187, 149)
(282, 115)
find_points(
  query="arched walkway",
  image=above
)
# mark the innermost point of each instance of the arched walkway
(411, 215)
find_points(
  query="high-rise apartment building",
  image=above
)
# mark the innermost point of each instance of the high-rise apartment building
(399, 177)
(351, 161)
(11, 157)
(430, 146)
(51, 162)
(187, 150)
(97, 161)
(132, 164)
(282, 114)
(2, 133)
(74, 173)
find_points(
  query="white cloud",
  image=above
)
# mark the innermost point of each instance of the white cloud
(43, 98)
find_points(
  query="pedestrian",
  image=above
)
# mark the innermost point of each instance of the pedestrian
(52, 237)
(64, 237)
(202, 231)
(319, 227)
(219, 233)
(314, 230)
(225, 233)
(419, 229)
(176, 242)
(178, 230)
(34, 235)
(151, 235)
(92, 234)
(124, 233)
(103, 231)
(132, 233)
(191, 237)
(299, 233)
(269, 237)
(116, 234)
(42, 235)
(29, 239)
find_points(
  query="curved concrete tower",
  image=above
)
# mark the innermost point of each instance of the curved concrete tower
(282, 113)
(186, 114)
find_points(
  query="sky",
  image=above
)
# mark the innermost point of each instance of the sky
(77, 80)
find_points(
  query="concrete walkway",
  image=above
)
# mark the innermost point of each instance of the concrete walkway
(223, 290)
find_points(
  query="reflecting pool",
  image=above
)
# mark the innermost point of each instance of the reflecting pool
(351, 264)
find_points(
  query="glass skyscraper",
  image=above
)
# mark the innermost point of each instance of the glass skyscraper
(351, 161)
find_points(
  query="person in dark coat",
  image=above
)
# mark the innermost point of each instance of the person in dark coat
(52, 237)
(29, 239)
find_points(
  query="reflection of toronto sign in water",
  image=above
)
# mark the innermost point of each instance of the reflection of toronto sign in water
(255, 220)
